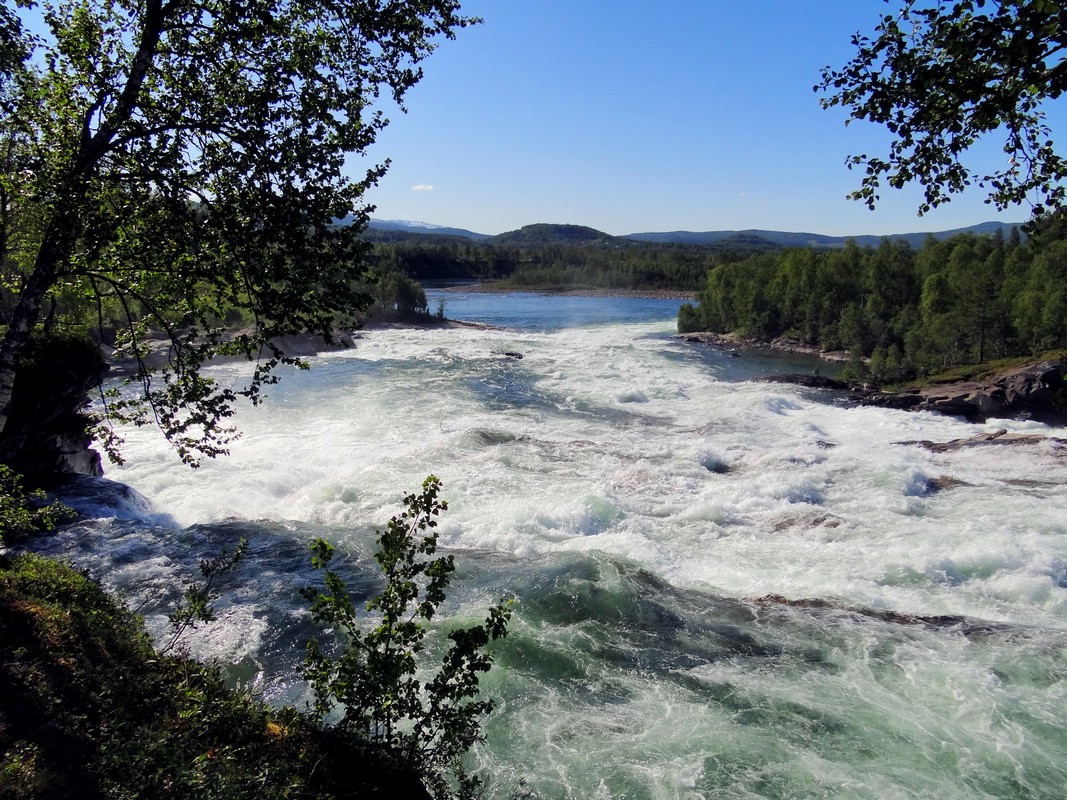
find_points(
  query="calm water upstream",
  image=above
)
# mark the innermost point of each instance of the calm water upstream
(638, 496)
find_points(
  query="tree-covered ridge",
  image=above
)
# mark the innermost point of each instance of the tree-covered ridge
(635, 265)
(911, 312)
(555, 234)
(553, 257)
(427, 233)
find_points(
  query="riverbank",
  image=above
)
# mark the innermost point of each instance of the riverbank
(295, 345)
(1031, 390)
(783, 344)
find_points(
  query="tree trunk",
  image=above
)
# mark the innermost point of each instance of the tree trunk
(61, 233)
(55, 248)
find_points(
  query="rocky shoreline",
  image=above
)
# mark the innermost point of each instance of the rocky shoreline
(1036, 390)
(783, 344)
(297, 345)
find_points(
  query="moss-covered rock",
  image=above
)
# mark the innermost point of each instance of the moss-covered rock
(47, 427)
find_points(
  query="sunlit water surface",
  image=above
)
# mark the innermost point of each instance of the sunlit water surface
(643, 499)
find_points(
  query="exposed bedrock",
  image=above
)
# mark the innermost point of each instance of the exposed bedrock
(46, 432)
(1033, 391)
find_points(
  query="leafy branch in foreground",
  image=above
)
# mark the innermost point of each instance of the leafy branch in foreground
(196, 606)
(177, 169)
(941, 76)
(24, 512)
(375, 680)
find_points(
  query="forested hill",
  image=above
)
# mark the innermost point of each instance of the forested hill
(541, 234)
(817, 240)
(965, 300)
(552, 256)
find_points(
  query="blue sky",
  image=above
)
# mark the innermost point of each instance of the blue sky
(634, 115)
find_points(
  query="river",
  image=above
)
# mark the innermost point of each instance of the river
(651, 508)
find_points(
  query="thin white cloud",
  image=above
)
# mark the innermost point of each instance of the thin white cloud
(422, 187)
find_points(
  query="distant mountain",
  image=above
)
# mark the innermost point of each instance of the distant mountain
(543, 234)
(423, 229)
(740, 241)
(783, 239)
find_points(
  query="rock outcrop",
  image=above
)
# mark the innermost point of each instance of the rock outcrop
(1000, 437)
(1033, 391)
(47, 429)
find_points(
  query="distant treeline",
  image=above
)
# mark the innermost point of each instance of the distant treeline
(635, 265)
(963, 300)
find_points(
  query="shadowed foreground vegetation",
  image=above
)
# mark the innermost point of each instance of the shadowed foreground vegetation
(89, 709)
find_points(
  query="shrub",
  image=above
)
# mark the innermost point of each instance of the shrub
(25, 512)
(375, 678)
(89, 710)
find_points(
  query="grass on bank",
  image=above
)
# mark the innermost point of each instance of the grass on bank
(89, 709)
(979, 372)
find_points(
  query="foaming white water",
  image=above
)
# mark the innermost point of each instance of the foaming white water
(724, 588)
(617, 439)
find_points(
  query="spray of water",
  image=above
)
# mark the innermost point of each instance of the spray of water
(659, 516)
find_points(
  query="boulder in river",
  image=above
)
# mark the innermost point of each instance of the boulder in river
(998, 437)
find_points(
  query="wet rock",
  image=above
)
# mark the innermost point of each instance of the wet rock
(942, 482)
(47, 428)
(1031, 483)
(964, 625)
(807, 520)
(998, 437)
(810, 381)
(716, 465)
(1032, 391)
(94, 497)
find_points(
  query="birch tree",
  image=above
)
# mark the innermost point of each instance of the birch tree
(172, 162)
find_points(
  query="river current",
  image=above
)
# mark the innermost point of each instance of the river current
(725, 588)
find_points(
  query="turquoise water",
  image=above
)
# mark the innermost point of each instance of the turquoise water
(724, 588)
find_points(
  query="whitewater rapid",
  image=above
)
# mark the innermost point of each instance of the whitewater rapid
(638, 494)
(626, 442)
